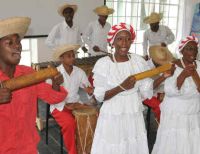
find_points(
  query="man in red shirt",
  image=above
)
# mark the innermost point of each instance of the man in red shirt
(18, 134)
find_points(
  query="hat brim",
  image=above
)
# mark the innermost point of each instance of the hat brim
(150, 20)
(63, 7)
(153, 53)
(63, 49)
(14, 25)
(103, 12)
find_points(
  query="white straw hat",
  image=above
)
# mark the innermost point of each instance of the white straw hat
(153, 18)
(104, 10)
(14, 25)
(64, 6)
(64, 48)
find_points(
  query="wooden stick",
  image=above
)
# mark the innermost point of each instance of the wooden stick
(150, 73)
(29, 79)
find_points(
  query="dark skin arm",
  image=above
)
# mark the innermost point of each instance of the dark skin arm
(126, 84)
(187, 72)
(158, 81)
(6, 95)
(165, 75)
(56, 81)
(198, 89)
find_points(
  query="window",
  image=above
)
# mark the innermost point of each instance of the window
(26, 52)
(133, 12)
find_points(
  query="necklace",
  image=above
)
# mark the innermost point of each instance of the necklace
(119, 76)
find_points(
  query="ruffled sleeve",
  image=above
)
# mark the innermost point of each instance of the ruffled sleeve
(100, 71)
(170, 86)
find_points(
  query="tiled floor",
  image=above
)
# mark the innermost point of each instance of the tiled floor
(53, 146)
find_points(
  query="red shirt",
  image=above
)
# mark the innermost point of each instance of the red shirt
(18, 134)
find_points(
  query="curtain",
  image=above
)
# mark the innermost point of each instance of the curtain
(186, 12)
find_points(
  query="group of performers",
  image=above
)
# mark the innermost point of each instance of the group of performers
(120, 127)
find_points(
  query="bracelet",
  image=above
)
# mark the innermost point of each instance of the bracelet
(122, 88)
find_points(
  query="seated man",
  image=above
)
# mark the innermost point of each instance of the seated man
(156, 34)
(74, 78)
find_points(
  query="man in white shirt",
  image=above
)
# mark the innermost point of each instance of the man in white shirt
(95, 35)
(156, 34)
(65, 32)
(74, 78)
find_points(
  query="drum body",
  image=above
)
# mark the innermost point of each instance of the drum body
(86, 120)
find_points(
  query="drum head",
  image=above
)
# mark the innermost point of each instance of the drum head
(85, 111)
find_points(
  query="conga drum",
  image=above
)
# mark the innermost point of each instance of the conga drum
(86, 120)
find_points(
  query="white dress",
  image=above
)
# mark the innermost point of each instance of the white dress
(120, 127)
(179, 129)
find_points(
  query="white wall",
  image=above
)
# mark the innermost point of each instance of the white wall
(44, 16)
(44, 12)
(44, 53)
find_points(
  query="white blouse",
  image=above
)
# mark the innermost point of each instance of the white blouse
(108, 75)
(183, 101)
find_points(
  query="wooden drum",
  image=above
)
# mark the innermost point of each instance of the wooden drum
(86, 120)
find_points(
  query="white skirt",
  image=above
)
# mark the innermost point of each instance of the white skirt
(178, 134)
(122, 133)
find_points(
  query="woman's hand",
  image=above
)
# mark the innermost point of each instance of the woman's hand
(188, 71)
(5, 95)
(169, 72)
(128, 83)
(57, 81)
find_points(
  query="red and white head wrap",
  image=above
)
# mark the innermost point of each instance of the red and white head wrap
(185, 41)
(118, 28)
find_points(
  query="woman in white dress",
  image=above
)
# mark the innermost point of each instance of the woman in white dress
(120, 127)
(179, 129)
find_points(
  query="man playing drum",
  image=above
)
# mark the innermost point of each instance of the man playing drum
(74, 78)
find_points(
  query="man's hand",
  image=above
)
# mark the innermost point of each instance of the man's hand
(5, 95)
(96, 48)
(57, 81)
(89, 90)
(146, 57)
(84, 49)
(163, 44)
